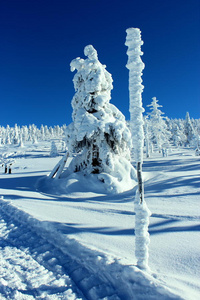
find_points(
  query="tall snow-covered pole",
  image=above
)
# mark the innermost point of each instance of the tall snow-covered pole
(142, 213)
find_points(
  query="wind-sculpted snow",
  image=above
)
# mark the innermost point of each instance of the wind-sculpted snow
(37, 263)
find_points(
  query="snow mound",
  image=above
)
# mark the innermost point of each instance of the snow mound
(82, 185)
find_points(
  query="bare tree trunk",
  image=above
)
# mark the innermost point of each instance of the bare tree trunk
(140, 182)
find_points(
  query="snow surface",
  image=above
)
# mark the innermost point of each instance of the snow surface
(81, 245)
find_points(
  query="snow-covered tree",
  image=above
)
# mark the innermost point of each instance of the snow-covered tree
(54, 150)
(189, 130)
(42, 135)
(142, 213)
(7, 135)
(158, 126)
(7, 140)
(21, 144)
(46, 132)
(98, 134)
(24, 133)
(178, 137)
(16, 139)
(34, 133)
(51, 131)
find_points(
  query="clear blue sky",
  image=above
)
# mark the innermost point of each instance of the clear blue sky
(39, 38)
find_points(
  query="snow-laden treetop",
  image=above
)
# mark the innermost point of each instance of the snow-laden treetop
(154, 107)
(93, 114)
(93, 85)
(91, 78)
(90, 52)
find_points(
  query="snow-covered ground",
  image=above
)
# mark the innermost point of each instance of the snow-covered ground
(81, 245)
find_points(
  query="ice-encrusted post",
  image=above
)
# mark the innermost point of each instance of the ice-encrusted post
(142, 213)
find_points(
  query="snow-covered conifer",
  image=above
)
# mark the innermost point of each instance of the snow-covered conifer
(159, 131)
(34, 134)
(136, 66)
(99, 133)
(46, 132)
(24, 133)
(7, 141)
(51, 131)
(177, 133)
(8, 135)
(16, 135)
(189, 130)
(42, 135)
(54, 150)
(21, 144)
(2, 134)
(181, 126)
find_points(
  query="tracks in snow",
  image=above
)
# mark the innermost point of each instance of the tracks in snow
(32, 267)
(29, 268)
(39, 263)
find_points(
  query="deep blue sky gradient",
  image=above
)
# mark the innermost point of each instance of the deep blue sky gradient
(39, 38)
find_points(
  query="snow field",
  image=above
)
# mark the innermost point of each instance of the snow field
(89, 241)
(37, 251)
(173, 194)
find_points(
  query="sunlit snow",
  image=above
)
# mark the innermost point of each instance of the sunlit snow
(81, 245)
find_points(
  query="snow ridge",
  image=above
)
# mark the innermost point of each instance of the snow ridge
(75, 271)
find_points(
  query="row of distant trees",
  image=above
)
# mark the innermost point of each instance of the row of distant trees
(19, 135)
(160, 132)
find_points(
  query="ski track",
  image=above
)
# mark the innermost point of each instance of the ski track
(29, 269)
(38, 263)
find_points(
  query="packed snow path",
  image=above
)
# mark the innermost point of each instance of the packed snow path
(30, 267)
